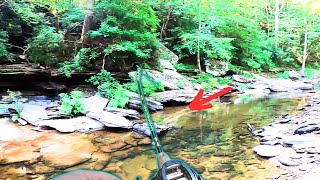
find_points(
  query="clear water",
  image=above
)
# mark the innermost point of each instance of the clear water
(216, 142)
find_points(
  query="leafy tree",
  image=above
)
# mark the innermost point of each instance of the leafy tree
(46, 45)
(129, 28)
(4, 53)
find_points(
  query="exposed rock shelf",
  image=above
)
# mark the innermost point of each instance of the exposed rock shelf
(293, 141)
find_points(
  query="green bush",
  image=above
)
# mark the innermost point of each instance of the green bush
(72, 104)
(81, 60)
(148, 88)
(284, 75)
(45, 46)
(181, 66)
(311, 73)
(208, 82)
(110, 88)
(4, 53)
(248, 75)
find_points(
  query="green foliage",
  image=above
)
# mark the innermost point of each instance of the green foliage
(4, 53)
(46, 45)
(82, 59)
(110, 88)
(283, 75)
(208, 82)
(72, 103)
(243, 87)
(248, 75)
(129, 27)
(312, 73)
(181, 66)
(148, 88)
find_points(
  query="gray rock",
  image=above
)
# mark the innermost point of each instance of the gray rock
(269, 140)
(297, 139)
(165, 64)
(144, 129)
(33, 114)
(79, 124)
(21, 121)
(182, 96)
(163, 53)
(171, 79)
(268, 131)
(217, 68)
(110, 119)
(294, 75)
(241, 79)
(288, 162)
(309, 147)
(94, 103)
(127, 113)
(284, 85)
(135, 103)
(307, 129)
(266, 150)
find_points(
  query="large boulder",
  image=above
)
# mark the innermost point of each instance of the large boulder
(78, 124)
(165, 57)
(135, 103)
(172, 80)
(110, 119)
(217, 68)
(284, 85)
(182, 96)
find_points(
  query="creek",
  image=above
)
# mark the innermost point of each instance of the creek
(215, 142)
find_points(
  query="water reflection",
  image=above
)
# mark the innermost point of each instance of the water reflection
(216, 142)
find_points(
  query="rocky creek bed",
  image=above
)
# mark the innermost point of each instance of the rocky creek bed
(112, 139)
(292, 142)
(216, 142)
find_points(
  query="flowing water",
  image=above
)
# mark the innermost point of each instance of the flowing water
(216, 142)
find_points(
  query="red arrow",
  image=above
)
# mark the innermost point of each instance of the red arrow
(198, 104)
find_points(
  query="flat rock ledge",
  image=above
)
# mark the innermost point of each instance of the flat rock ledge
(292, 142)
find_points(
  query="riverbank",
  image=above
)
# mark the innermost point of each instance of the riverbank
(292, 142)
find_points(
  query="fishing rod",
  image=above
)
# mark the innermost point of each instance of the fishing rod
(168, 168)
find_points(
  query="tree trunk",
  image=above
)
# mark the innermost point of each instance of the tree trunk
(87, 21)
(276, 22)
(305, 48)
(198, 52)
(86, 27)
